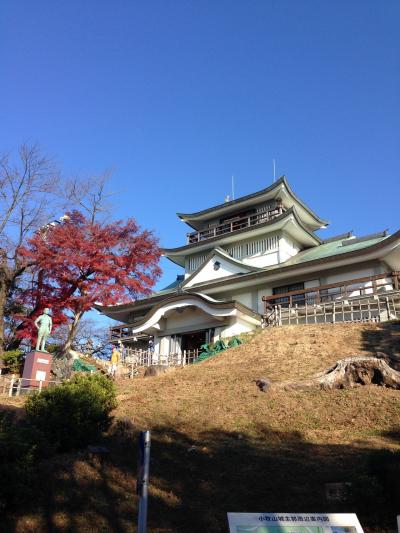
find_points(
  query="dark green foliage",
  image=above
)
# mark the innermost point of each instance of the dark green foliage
(13, 360)
(21, 447)
(62, 418)
(75, 413)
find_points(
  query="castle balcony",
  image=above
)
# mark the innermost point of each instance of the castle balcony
(373, 298)
(234, 224)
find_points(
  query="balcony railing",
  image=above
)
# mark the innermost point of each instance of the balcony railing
(344, 290)
(234, 225)
(379, 307)
(124, 331)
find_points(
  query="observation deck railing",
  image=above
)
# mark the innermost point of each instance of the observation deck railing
(234, 225)
(373, 298)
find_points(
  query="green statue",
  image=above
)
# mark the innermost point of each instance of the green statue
(44, 324)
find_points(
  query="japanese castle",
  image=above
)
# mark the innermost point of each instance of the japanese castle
(257, 261)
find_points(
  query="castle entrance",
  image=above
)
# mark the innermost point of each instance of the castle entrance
(193, 341)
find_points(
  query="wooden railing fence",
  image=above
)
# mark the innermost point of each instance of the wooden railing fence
(233, 225)
(368, 308)
(333, 291)
(138, 358)
(15, 385)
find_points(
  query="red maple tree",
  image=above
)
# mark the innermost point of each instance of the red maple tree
(81, 262)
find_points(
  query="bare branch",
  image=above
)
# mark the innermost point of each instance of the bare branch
(89, 194)
(25, 184)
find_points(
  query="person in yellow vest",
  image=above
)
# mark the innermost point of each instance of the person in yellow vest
(115, 359)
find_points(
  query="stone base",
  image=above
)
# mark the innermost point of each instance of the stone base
(37, 369)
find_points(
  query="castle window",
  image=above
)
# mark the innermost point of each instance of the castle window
(254, 247)
(195, 261)
(296, 299)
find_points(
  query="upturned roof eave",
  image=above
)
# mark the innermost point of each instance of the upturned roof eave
(151, 300)
(188, 217)
(225, 304)
(298, 266)
(170, 252)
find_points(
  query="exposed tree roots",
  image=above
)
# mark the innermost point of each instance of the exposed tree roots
(383, 370)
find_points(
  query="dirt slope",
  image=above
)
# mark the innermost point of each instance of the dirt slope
(223, 384)
(218, 444)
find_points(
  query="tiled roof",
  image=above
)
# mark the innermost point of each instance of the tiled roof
(328, 249)
(322, 251)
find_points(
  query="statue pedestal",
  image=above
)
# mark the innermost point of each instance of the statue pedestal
(37, 369)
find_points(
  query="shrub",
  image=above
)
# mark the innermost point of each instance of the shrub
(13, 360)
(20, 449)
(75, 413)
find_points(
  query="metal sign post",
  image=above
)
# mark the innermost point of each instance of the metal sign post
(142, 482)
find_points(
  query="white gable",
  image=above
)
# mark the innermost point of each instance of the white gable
(211, 270)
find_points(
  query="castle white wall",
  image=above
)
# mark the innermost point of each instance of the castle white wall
(312, 283)
(320, 278)
(262, 260)
(190, 317)
(236, 327)
(260, 252)
(355, 273)
(336, 277)
(208, 271)
(393, 259)
(287, 248)
(166, 344)
(244, 298)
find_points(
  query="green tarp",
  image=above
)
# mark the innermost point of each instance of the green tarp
(81, 366)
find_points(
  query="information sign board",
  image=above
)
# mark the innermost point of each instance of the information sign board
(293, 523)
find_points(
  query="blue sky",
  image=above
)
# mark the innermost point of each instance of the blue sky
(178, 96)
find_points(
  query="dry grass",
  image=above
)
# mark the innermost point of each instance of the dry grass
(220, 394)
(218, 444)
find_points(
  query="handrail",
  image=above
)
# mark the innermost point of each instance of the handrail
(345, 287)
(367, 308)
(137, 358)
(234, 225)
(13, 385)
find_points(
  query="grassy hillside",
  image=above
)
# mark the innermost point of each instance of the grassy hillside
(218, 444)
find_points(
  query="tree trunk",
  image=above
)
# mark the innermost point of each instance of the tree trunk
(352, 372)
(16, 340)
(73, 329)
(3, 299)
(4, 288)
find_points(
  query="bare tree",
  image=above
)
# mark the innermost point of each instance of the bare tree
(27, 186)
(90, 339)
(32, 195)
(89, 195)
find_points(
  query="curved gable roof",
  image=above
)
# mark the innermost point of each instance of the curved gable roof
(207, 304)
(177, 255)
(193, 219)
(219, 252)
